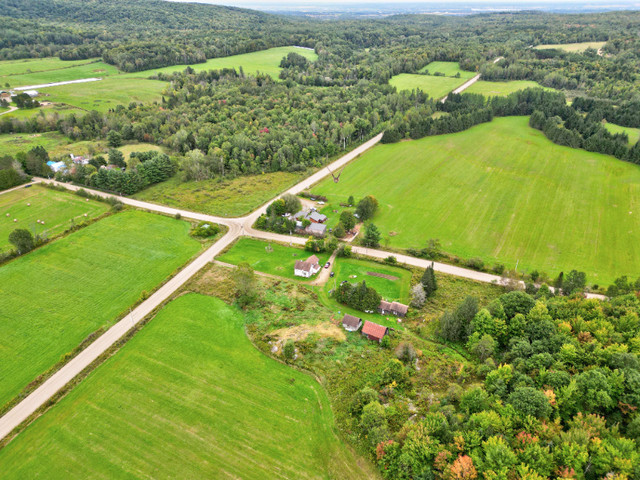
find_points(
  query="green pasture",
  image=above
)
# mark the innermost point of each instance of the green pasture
(127, 150)
(503, 192)
(188, 397)
(33, 65)
(571, 47)
(106, 93)
(449, 69)
(56, 209)
(277, 260)
(227, 198)
(12, 143)
(55, 296)
(632, 133)
(435, 87)
(501, 89)
(43, 111)
(264, 61)
(62, 74)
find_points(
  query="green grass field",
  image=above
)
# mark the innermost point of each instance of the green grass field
(571, 47)
(449, 69)
(632, 133)
(54, 297)
(264, 61)
(187, 397)
(33, 65)
(55, 208)
(127, 150)
(227, 198)
(10, 144)
(44, 111)
(280, 261)
(62, 74)
(435, 87)
(501, 89)
(105, 94)
(503, 192)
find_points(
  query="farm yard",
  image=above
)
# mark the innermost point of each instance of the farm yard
(226, 198)
(278, 260)
(188, 396)
(56, 209)
(55, 296)
(503, 192)
(502, 89)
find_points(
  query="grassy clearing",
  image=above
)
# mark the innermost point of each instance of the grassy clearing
(10, 144)
(44, 111)
(105, 94)
(62, 74)
(501, 89)
(127, 150)
(23, 66)
(187, 397)
(280, 261)
(55, 208)
(55, 296)
(227, 198)
(632, 133)
(435, 87)
(503, 192)
(264, 61)
(449, 69)
(571, 47)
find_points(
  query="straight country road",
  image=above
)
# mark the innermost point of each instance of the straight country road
(241, 226)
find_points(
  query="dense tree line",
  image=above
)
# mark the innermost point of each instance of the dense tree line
(359, 296)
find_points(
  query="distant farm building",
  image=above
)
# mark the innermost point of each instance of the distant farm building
(316, 229)
(316, 221)
(373, 331)
(307, 268)
(31, 93)
(56, 166)
(351, 323)
(6, 96)
(78, 160)
(393, 308)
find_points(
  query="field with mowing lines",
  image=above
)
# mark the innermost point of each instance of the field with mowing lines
(55, 208)
(435, 87)
(501, 89)
(187, 397)
(227, 198)
(31, 65)
(571, 47)
(280, 261)
(63, 74)
(449, 69)
(632, 133)
(264, 61)
(503, 192)
(105, 94)
(55, 296)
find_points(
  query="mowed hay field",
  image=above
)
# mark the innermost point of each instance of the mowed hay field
(279, 260)
(187, 397)
(263, 61)
(54, 208)
(449, 69)
(227, 198)
(43, 73)
(53, 297)
(503, 192)
(435, 86)
(501, 89)
(571, 47)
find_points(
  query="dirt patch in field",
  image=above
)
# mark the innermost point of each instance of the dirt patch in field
(300, 332)
(383, 275)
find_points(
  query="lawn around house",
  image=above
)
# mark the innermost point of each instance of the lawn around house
(503, 192)
(55, 296)
(187, 397)
(56, 209)
(226, 198)
(280, 260)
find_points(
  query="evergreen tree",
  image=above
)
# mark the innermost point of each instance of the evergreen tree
(429, 281)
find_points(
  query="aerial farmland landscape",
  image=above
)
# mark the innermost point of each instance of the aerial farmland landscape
(302, 240)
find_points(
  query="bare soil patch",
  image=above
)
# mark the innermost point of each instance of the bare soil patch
(382, 275)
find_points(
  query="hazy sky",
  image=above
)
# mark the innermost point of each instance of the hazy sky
(423, 2)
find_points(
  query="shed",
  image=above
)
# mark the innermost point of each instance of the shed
(351, 323)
